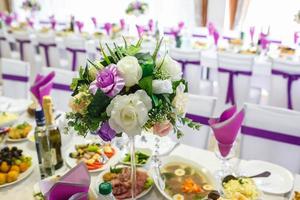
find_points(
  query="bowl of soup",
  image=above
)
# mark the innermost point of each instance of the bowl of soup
(185, 179)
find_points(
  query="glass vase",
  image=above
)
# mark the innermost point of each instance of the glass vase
(132, 166)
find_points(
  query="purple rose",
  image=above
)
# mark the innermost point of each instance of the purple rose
(106, 133)
(109, 81)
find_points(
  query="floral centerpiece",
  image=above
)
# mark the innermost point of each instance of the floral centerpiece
(31, 5)
(137, 8)
(127, 92)
(297, 17)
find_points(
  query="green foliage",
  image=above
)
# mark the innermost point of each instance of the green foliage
(83, 80)
(98, 104)
(146, 84)
(146, 62)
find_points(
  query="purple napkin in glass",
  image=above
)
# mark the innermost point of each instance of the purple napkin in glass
(226, 128)
(94, 20)
(30, 22)
(296, 36)
(216, 37)
(74, 185)
(263, 41)
(107, 27)
(180, 25)
(252, 30)
(150, 25)
(211, 28)
(42, 86)
(2, 15)
(140, 30)
(122, 24)
(79, 25)
(8, 20)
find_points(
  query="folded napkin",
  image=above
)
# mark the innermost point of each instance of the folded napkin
(79, 25)
(211, 28)
(296, 36)
(141, 30)
(216, 37)
(74, 185)
(122, 24)
(150, 25)
(42, 86)
(8, 20)
(252, 30)
(94, 20)
(107, 27)
(226, 128)
(30, 23)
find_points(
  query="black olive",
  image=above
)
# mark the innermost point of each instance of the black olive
(5, 149)
(14, 148)
(214, 195)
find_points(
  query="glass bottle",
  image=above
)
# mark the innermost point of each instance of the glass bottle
(42, 146)
(53, 133)
(105, 191)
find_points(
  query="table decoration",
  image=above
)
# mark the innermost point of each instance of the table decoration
(225, 129)
(137, 8)
(73, 185)
(128, 91)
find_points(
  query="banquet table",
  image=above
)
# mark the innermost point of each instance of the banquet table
(24, 189)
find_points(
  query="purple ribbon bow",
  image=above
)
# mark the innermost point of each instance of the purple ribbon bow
(290, 79)
(74, 56)
(187, 62)
(21, 46)
(46, 49)
(230, 89)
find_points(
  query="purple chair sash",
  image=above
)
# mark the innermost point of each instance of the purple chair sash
(271, 135)
(74, 56)
(230, 89)
(290, 79)
(22, 43)
(59, 86)
(15, 77)
(197, 118)
(199, 36)
(187, 62)
(46, 49)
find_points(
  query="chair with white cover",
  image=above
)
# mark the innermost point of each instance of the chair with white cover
(76, 52)
(27, 51)
(234, 77)
(199, 109)
(48, 49)
(285, 84)
(271, 134)
(61, 91)
(15, 75)
(192, 70)
(5, 49)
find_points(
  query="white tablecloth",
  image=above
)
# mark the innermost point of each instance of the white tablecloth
(24, 189)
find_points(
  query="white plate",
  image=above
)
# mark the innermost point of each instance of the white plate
(173, 159)
(71, 162)
(31, 133)
(279, 182)
(142, 150)
(100, 180)
(14, 105)
(22, 176)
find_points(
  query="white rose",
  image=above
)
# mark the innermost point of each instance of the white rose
(180, 100)
(130, 70)
(162, 86)
(129, 113)
(170, 67)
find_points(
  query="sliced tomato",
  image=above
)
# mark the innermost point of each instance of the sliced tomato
(110, 154)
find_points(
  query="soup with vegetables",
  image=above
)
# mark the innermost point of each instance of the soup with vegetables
(184, 182)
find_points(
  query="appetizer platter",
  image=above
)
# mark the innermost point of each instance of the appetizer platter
(7, 119)
(19, 132)
(142, 156)
(184, 179)
(14, 166)
(120, 179)
(96, 156)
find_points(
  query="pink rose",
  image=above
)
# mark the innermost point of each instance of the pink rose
(163, 128)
